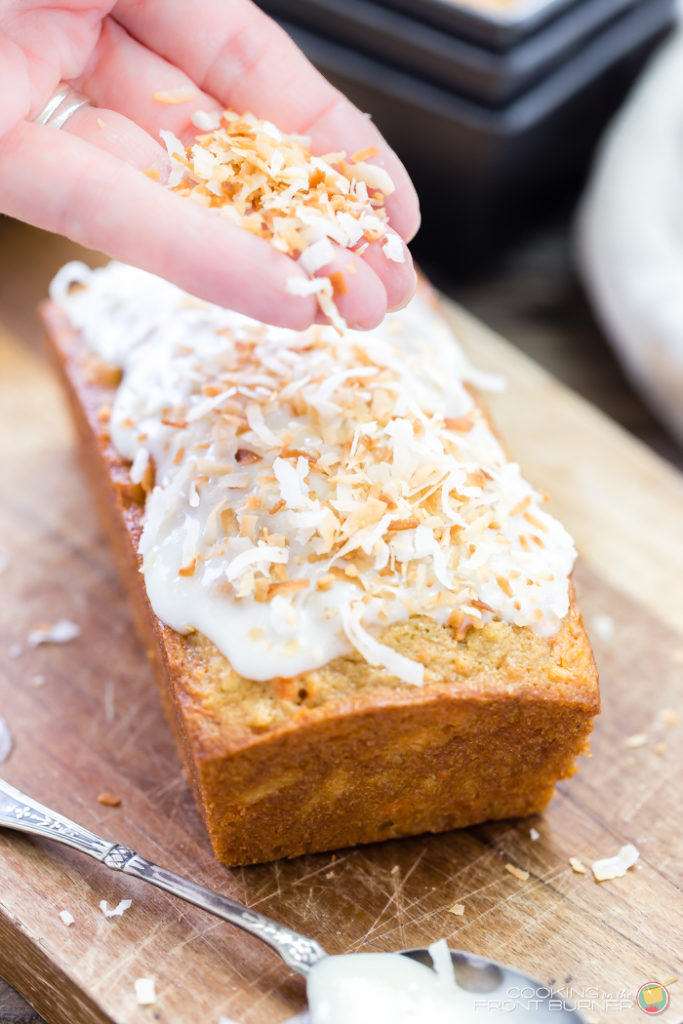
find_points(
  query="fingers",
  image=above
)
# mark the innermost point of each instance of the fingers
(68, 186)
(239, 55)
(398, 278)
(113, 133)
(342, 126)
(368, 285)
(124, 75)
(360, 295)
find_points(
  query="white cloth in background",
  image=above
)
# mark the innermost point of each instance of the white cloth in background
(630, 235)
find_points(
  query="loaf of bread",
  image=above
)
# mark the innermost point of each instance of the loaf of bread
(360, 614)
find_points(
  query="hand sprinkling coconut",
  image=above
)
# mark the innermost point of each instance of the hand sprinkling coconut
(314, 209)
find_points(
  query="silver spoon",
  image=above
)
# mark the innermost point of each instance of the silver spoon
(474, 974)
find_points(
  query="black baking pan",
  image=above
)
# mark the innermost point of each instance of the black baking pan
(497, 25)
(484, 174)
(442, 58)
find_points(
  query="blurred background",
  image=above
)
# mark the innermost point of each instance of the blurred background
(497, 108)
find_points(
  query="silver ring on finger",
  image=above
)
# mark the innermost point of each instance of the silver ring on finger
(61, 106)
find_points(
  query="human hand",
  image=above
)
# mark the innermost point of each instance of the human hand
(84, 181)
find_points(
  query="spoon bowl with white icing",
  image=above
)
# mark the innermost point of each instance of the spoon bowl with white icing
(413, 986)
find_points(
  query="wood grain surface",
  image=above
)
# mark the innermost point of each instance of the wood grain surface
(85, 718)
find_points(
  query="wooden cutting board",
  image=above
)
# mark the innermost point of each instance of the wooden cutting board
(85, 718)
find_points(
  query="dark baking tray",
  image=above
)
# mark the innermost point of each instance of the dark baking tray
(436, 56)
(496, 29)
(484, 174)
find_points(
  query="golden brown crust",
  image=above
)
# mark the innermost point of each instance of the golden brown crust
(346, 754)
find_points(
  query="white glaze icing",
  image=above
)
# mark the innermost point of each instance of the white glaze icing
(388, 988)
(349, 441)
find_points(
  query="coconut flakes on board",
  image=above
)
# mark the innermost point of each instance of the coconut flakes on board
(269, 183)
(118, 911)
(61, 633)
(617, 866)
(5, 740)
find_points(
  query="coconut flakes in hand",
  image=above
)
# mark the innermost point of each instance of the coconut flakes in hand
(268, 182)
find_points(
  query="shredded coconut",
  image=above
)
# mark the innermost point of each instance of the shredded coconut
(519, 873)
(270, 183)
(182, 94)
(67, 918)
(617, 866)
(602, 626)
(393, 249)
(116, 911)
(61, 633)
(144, 991)
(5, 740)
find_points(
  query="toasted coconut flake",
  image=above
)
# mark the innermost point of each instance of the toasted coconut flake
(519, 873)
(109, 799)
(577, 866)
(261, 555)
(181, 94)
(245, 457)
(5, 740)
(393, 249)
(364, 154)
(206, 120)
(602, 626)
(271, 184)
(458, 909)
(291, 479)
(117, 911)
(338, 282)
(302, 287)
(145, 991)
(61, 633)
(376, 653)
(317, 256)
(374, 177)
(617, 866)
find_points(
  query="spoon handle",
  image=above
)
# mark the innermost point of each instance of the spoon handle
(20, 812)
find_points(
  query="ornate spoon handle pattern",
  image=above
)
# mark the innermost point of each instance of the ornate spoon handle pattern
(20, 812)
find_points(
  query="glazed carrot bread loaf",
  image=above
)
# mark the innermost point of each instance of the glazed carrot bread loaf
(361, 615)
